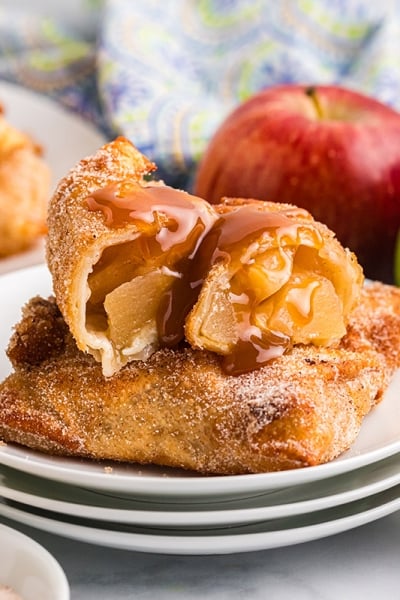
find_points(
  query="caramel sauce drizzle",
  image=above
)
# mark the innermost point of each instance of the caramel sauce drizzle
(152, 205)
(255, 347)
(183, 227)
(229, 241)
(177, 222)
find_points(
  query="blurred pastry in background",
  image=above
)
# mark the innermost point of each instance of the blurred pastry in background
(24, 190)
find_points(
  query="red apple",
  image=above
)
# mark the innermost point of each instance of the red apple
(328, 149)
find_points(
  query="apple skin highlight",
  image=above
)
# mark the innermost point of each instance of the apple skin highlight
(328, 149)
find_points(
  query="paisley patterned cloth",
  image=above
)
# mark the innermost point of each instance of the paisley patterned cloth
(170, 71)
(165, 74)
(51, 55)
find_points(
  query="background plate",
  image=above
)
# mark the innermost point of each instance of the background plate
(64, 137)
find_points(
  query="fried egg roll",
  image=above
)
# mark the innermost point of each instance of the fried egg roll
(275, 278)
(120, 250)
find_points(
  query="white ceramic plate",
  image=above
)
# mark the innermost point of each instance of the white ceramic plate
(70, 500)
(225, 540)
(65, 138)
(28, 569)
(378, 439)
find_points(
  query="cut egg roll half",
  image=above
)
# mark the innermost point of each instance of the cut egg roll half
(120, 250)
(276, 278)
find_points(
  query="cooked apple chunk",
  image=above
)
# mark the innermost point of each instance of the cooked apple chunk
(132, 311)
(279, 278)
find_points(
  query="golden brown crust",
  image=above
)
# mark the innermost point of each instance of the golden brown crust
(77, 234)
(40, 335)
(375, 323)
(24, 190)
(73, 226)
(179, 409)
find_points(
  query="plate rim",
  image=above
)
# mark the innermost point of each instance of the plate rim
(203, 544)
(18, 91)
(208, 517)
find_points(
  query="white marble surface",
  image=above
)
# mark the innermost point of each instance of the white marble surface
(361, 564)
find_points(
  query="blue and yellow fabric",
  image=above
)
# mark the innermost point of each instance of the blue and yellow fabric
(166, 73)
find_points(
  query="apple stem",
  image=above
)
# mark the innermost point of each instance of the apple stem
(311, 92)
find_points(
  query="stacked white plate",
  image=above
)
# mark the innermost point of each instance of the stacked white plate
(166, 511)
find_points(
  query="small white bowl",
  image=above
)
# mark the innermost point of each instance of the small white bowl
(28, 569)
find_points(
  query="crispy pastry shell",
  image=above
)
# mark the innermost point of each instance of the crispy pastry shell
(111, 273)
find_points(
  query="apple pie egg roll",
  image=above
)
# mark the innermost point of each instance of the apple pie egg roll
(276, 278)
(120, 250)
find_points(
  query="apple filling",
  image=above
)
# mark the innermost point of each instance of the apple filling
(279, 278)
(244, 279)
(125, 296)
(138, 291)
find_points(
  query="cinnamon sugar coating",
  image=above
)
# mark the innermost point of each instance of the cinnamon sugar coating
(75, 230)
